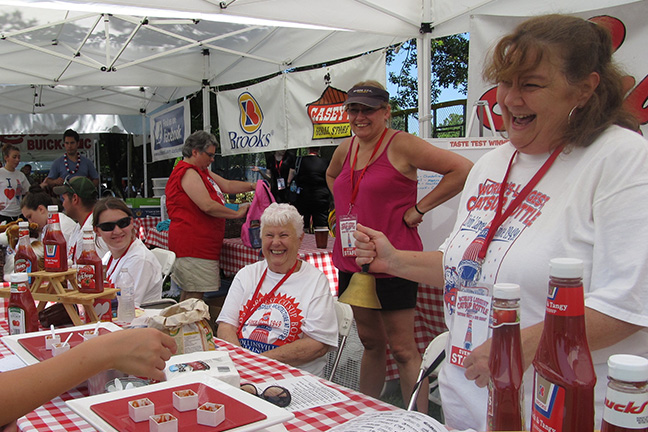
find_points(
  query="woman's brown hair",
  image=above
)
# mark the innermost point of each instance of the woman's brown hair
(583, 47)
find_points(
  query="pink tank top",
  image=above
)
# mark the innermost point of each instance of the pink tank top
(384, 196)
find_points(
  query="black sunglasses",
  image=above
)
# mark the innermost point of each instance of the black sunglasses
(109, 226)
(274, 394)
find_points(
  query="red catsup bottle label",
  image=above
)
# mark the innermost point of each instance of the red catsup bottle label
(565, 302)
(86, 277)
(549, 403)
(22, 265)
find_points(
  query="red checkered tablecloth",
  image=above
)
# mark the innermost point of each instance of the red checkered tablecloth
(234, 256)
(253, 368)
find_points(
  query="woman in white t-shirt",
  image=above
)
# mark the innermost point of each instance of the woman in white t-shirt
(13, 184)
(113, 222)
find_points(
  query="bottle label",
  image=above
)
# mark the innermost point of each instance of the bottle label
(86, 277)
(548, 406)
(565, 301)
(16, 320)
(22, 265)
(53, 256)
(505, 316)
(626, 410)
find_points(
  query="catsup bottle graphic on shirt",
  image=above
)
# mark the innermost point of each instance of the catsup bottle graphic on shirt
(54, 243)
(25, 260)
(626, 399)
(505, 390)
(89, 267)
(563, 388)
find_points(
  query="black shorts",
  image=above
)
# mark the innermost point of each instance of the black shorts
(394, 293)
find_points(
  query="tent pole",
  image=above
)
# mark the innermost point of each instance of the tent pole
(424, 68)
(206, 109)
(145, 156)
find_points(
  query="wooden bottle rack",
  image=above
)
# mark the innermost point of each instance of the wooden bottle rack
(52, 287)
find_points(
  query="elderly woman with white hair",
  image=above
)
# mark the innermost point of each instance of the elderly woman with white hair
(281, 307)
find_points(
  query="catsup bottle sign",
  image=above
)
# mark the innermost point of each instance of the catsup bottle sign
(626, 410)
(86, 277)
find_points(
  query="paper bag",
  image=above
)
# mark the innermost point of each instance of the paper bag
(188, 323)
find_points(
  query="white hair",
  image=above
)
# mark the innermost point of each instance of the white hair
(282, 214)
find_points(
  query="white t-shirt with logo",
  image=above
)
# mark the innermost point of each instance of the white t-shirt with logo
(303, 304)
(591, 205)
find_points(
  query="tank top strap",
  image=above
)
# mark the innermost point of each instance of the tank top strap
(390, 140)
(348, 156)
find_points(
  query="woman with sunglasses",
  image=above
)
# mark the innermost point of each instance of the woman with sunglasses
(13, 184)
(196, 205)
(373, 176)
(113, 222)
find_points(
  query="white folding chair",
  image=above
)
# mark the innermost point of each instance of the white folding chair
(430, 365)
(166, 259)
(344, 315)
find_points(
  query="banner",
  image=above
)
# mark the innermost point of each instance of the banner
(293, 110)
(629, 35)
(45, 147)
(169, 129)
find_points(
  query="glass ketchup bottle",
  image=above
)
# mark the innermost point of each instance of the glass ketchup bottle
(505, 390)
(21, 310)
(626, 399)
(89, 266)
(25, 260)
(54, 243)
(564, 379)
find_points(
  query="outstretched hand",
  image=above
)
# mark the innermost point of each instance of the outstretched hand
(139, 352)
(373, 247)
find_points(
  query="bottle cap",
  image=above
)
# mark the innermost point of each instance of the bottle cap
(506, 291)
(23, 224)
(18, 277)
(567, 268)
(629, 368)
(52, 208)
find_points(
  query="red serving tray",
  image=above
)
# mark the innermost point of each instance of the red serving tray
(237, 414)
(36, 345)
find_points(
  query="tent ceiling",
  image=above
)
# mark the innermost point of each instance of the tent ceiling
(74, 61)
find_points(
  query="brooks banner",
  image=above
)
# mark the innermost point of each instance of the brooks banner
(293, 110)
(169, 128)
(627, 24)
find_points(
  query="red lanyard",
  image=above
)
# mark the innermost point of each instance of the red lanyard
(278, 166)
(355, 185)
(256, 302)
(109, 276)
(500, 217)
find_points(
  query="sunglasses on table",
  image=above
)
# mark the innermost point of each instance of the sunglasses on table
(276, 395)
(121, 223)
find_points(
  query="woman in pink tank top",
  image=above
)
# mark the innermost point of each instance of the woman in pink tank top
(373, 179)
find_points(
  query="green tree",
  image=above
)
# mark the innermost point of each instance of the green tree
(449, 69)
(451, 127)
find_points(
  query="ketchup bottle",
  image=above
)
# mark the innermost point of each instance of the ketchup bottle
(626, 400)
(54, 243)
(505, 390)
(21, 311)
(25, 260)
(89, 266)
(563, 388)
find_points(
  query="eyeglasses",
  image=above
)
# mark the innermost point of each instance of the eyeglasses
(211, 155)
(276, 395)
(109, 226)
(366, 111)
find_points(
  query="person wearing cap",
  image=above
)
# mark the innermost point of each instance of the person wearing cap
(71, 164)
(373, 176)
(79, 197)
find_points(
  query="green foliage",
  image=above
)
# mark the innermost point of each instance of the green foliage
(449, 69)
